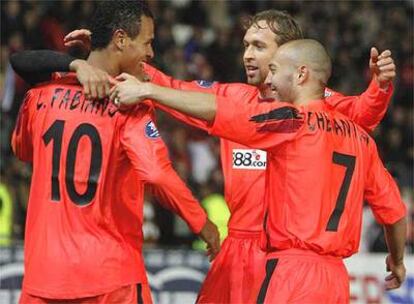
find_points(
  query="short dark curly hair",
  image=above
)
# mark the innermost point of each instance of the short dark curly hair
(280, 22)
(117, 14)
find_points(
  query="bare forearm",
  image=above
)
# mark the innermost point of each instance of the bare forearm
(198, 105)
(395, 236)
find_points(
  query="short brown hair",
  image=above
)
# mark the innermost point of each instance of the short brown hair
(280, 22)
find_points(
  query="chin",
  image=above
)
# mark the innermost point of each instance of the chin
(254, 81)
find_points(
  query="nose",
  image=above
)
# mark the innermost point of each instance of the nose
(150, 53)
(248, 54)
(268, 80)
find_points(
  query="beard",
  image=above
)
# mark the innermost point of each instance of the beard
(256, 80)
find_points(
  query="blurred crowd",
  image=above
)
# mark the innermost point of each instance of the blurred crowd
(203, 40)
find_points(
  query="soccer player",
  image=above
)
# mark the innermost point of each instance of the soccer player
(321, 167)
(236, 268)
(83, 241)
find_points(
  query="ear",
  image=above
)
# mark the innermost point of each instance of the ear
(119, 38)
(302, 74)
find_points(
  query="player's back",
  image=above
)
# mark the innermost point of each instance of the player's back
(318, 180)
(84, 216)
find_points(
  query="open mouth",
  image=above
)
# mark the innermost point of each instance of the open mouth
(251, 70)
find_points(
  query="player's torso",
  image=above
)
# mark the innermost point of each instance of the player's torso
(81, 215)
(316, 183)
(244, 172)
(244, 180)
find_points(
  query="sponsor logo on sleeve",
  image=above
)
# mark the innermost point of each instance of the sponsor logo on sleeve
(151, 130)
(205, 83)
(328, 93)
(249, 159)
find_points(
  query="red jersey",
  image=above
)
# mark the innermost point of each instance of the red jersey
(85, 210)
(244, 167)
(321, 167)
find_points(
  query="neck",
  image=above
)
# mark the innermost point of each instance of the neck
(265, 91)
(306, 95)
(101, 60)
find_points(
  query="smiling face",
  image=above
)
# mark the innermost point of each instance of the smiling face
(282, 72)
(260, 45)
(299, 71)
(139, 49)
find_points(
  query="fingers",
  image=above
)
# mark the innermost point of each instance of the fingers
(70, 36)
(79, 38)
(113, 94)
(77, 34)
(387, 67)
(107, 88)
(385, 61)
(392, 283)
(112, 81)
(374, 54)
(98, 86)
(383, 67)
(211, 253)
(384, 54)
(93, 88)
(87, 90)
(124, 76)
(72, 43)
(376, 58)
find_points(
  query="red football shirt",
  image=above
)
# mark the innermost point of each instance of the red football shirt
(244, 167)
(85, 210)
(321, 167)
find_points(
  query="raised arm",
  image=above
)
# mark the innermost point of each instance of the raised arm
(369, 108)
(149, 156)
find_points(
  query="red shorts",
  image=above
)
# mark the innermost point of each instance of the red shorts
(299, 276)
(238, 265)
(131, 294)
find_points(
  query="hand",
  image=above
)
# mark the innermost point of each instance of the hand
(81, 38)
(211, 236)
(96, 83)
(129, 91)
(382, 67)
(397, 276)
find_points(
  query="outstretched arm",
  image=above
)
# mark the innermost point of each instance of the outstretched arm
(254, 124)
(131, 90)
(41, 65)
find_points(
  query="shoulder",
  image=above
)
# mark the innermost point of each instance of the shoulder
(331, 93)
(236, 87)
(66, 79)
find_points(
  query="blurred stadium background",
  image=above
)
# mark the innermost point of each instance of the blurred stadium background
(203, 40)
